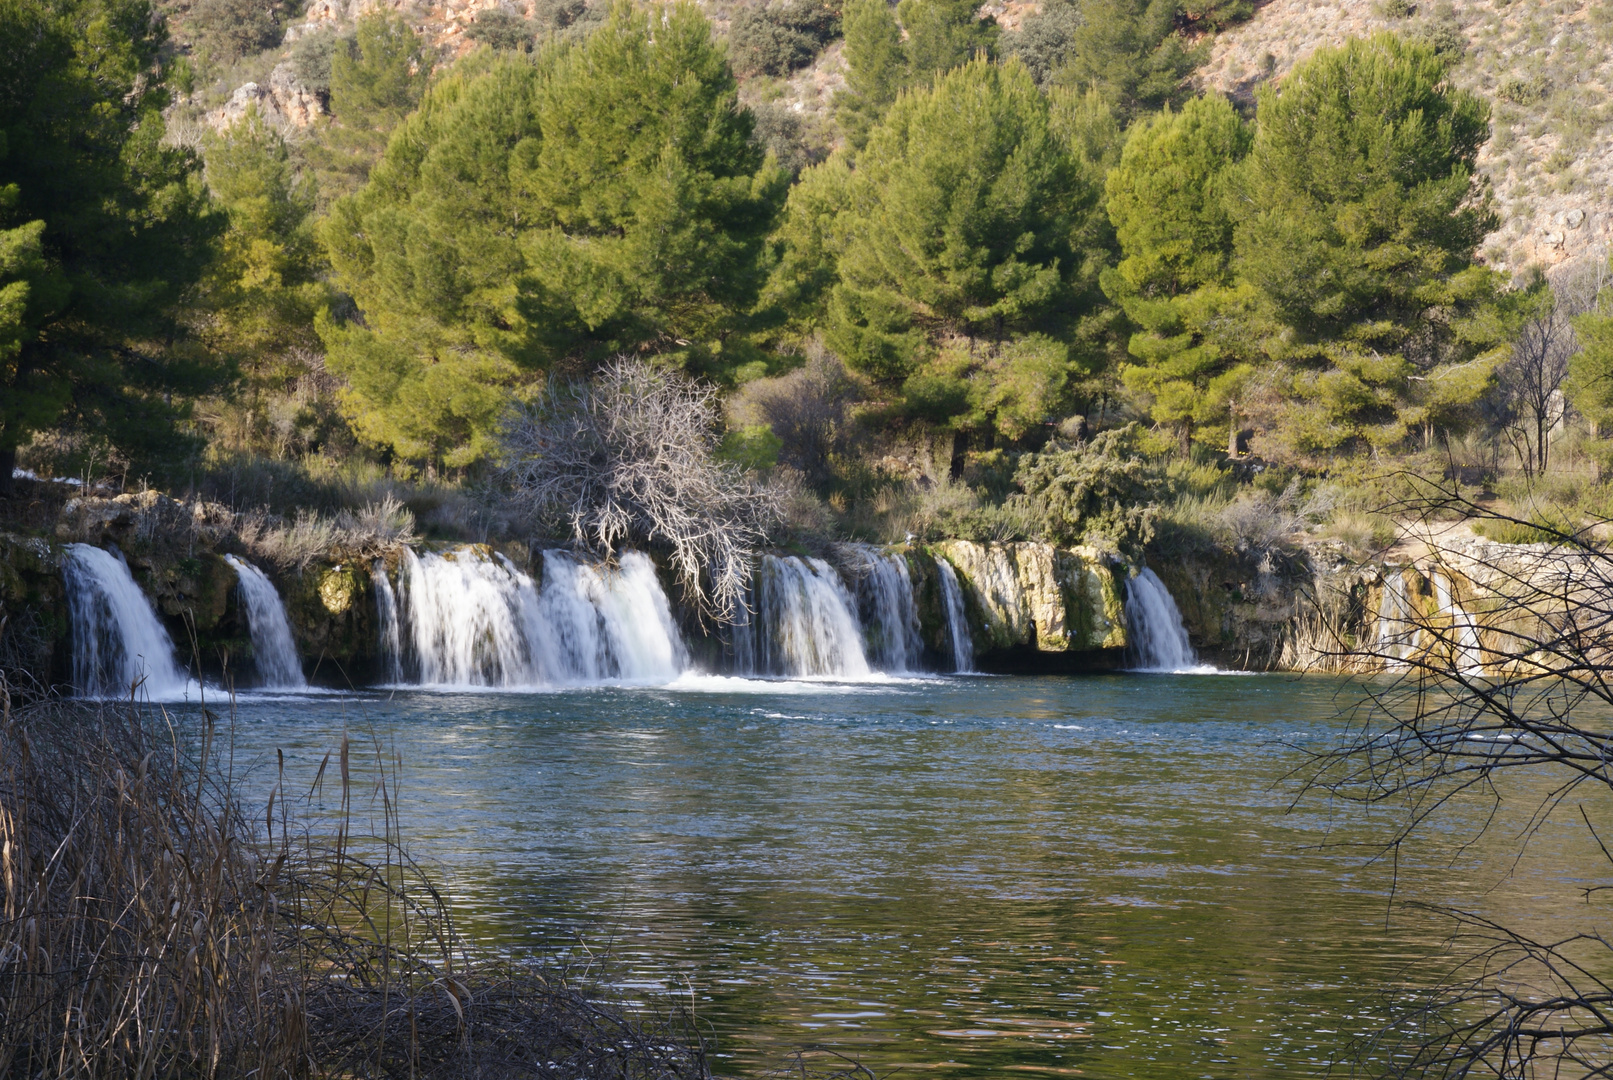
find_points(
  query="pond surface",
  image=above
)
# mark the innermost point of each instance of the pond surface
(965, 877)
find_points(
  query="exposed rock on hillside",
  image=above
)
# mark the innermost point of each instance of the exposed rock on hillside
(1546, 66)
(283, 101)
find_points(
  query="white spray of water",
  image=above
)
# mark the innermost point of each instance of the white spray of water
(963, 646)
(117, 640)
(591, 624)
(1397, 635)
(804, 622)
(1158, 639)
(273, 650)
(890, 618)
(472, 618)
(386, 605)
(1466, 646)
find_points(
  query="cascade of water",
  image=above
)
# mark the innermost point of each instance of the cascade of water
(386, 607)
(1396, 634)
(475, 619)
(963, 646)
(462, 619)
(1468, 649)
(890, 618)
(590, 624)
(1158, 639)
(273, 650)
(117, 640)
(805, 622)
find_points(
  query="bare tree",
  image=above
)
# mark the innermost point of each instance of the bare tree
(628, 457)
(1513, 683)
(1530, 400)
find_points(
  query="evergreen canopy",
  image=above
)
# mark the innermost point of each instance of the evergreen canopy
(103, 231)
(597, 198)
(1359, 216)
(1167, 199)
(957, 219)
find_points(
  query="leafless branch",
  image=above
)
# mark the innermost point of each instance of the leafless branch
(628, 458)
(1495, 658)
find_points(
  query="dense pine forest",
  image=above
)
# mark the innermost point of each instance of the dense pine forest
(1015, 281)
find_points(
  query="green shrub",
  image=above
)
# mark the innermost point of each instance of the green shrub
(232, 29)
(1524, 89)
(503, 31)
(1545, 524)
(1395, 9)
(1100, 492)
(310, 59)
(778, 38)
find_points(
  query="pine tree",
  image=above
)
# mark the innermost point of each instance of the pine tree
(1167, 199)
(105, 231)
(876, 68)
(1360, 211)
(1131, 53)
(958, 221)
(376, 79)
(942, 34)
(587, 200)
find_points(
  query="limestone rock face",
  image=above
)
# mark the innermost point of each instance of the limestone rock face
(283, 102)
(1036, 596)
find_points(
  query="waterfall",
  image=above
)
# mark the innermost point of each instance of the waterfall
(386, 609)
(591, 624)
(1158, 638)
(890, 618)
(1466, 648)
(117, 640)
(804, 622)
(469, 617)
(1396, 634)
(963, 646)
(273, 650)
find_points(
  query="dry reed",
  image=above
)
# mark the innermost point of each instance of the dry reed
(151, 930)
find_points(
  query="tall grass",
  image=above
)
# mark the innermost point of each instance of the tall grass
(152, 928)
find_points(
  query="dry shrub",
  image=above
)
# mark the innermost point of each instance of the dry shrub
(367, 533)
(150, 930)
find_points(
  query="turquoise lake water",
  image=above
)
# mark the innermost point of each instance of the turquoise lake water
(1084, 876)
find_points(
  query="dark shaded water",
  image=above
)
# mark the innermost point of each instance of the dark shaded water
(972, 877)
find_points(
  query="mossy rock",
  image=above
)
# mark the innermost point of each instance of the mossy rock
(331, 608)
(33, 604)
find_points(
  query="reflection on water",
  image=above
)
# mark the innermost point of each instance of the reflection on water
(1095, 877)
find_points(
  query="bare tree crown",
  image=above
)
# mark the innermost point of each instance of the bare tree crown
(628, 457)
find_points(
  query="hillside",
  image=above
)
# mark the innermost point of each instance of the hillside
(1545, 65)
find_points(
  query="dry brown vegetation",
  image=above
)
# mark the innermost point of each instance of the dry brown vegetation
(153, 928)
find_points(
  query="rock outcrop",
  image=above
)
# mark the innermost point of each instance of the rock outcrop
(284, 101)
(1028, 599)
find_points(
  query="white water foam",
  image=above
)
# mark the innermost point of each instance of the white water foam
(471, 618)
(890, 618)
(804, 623)
(386, 610)
(1468, 649)
(274, 652)
(119, 646)
(1397, 635)
(963, 646)
(1159, 641)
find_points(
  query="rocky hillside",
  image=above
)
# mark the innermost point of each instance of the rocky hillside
(1546, 65)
